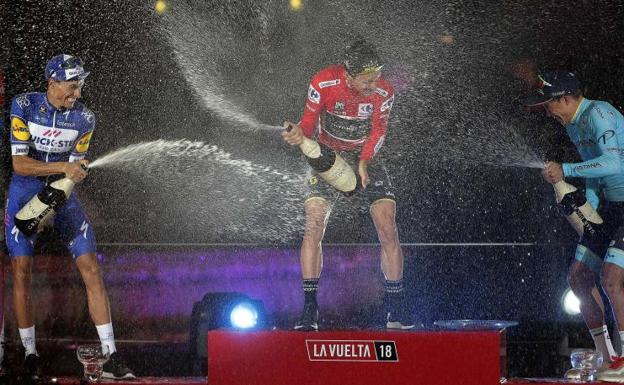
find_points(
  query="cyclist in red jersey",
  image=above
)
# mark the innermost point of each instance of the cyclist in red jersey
(347, 108)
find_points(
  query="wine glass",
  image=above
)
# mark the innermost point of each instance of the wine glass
(93, 357)
(587, 361)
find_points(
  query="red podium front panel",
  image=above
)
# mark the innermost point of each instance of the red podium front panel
(354, 357)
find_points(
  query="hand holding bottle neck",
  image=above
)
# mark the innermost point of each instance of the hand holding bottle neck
(293, 134)
(552, 172)
(76, 171)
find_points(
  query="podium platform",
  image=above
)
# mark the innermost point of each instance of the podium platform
(350, 357)
(355, 357)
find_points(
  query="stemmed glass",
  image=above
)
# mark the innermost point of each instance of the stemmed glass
(587, 362)
(93, 357)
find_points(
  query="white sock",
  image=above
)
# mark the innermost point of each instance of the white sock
(622, 341)
(602, 341)
(28, 339)
(107, 337)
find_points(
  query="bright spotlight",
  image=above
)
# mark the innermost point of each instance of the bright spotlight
(571, 304)
(223, 310)
(243, 316)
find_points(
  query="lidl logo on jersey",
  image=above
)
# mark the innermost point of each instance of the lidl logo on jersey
(351, 350)
(365, 109)
(83, 143)
(19, 129)
(48, 139)
(313, 95)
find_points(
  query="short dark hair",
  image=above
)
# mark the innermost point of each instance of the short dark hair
(361, 57)
(575, 95)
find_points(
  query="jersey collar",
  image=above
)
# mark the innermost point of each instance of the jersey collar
(343, 78)
(579, 110)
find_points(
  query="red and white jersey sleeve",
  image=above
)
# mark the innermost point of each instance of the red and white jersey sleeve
(313, 108)
(347, 120)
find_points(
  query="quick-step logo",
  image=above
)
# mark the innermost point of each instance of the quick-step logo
(352, 350)
(50, 139)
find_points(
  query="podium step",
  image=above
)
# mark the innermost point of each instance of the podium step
(138, 381)
(355, 357)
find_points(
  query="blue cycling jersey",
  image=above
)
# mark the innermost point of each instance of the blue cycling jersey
(48, 134)
(597, 131)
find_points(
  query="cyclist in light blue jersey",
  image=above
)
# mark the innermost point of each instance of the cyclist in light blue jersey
(50, 135)
(597, 130)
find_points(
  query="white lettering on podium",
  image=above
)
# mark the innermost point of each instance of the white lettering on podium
(337, 350)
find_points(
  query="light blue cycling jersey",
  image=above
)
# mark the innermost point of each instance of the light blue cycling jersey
(597, 131)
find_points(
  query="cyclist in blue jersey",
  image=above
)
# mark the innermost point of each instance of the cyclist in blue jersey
(50, 135)
(597, 130)
(3, 186)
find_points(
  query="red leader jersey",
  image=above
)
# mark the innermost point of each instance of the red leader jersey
(347, 120)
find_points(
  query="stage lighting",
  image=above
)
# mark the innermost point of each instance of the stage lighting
(571, 304)
(243, 316)
(235, 311)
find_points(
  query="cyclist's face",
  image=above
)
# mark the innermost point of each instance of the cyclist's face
(561, 109)
(65, 93)
(365, 84)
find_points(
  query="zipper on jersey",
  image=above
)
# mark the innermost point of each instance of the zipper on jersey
(53, 127)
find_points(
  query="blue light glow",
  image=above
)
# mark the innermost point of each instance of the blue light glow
(243, 316)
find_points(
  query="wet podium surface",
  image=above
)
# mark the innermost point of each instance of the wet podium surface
(203, 380)
(138, 381)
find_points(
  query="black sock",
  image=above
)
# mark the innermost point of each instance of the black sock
(310, 287)
(394, 295)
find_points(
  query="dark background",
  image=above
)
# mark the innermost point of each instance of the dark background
(457, 106)
(456, 124)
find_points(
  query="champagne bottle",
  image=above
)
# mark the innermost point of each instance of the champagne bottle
(329, 165)
(578, 211)
(44, 205)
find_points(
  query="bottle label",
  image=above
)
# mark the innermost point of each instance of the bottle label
(340, 175)
(43, 205)
(32, 209)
